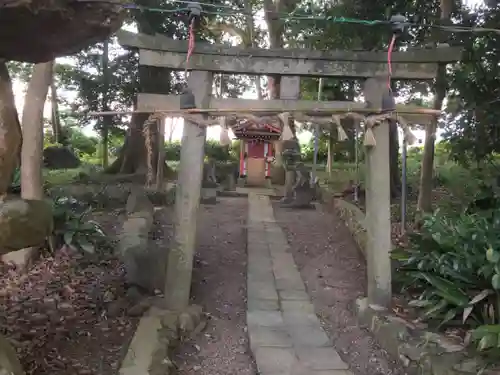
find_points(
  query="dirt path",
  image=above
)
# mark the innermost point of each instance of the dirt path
(334, 273)
(219, 285)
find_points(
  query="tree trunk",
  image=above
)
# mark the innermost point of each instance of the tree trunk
(133, 155)
(32, 148)
(10, 131)
(56, 119)
(250, 31)
(424, 203)
(106, 120)
(276, 28)
(329, 162)
(152, 80)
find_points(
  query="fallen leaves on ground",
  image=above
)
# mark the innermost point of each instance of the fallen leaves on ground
(57, 314)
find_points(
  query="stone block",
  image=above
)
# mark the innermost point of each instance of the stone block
(293, 282)
(297, 306)
(293, 295)
(264, 318)
(241, 182)
(275, 361)
(260, 248)
(277, 241)
(324, 358)
(208, 195)
(261, 276)
(144, 261)
(262, 290)
(309, 336)
(282, 260)
(260, 259)
(262, 304)
(269, 337)
(300, 318)
(286, 271)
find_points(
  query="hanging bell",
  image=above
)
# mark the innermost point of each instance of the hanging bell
(187, 100)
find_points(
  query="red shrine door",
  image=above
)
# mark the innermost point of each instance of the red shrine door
(256, 164)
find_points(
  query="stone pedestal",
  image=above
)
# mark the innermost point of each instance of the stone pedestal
(208, 196)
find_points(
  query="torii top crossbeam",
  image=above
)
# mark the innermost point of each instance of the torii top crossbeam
(161, 51)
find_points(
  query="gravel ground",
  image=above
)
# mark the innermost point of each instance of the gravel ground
(219, 285)
(334, 272)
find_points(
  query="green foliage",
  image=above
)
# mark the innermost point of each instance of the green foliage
(173, 151)
(15, 185)
(471, 125)
(452, 269)
(307, 152)
(82, 143)
(72, 227)
(66, 176)
(213, 150)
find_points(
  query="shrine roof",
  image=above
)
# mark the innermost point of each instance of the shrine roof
(250, 127)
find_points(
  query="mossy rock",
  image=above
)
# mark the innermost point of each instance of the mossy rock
(38, 31)
(24, 223)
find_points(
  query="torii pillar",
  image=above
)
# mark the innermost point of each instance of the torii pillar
(378, 201)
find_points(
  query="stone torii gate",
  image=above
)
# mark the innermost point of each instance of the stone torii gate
(162, 52)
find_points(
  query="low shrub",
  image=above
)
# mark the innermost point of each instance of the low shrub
(72, 227)
(452, 272)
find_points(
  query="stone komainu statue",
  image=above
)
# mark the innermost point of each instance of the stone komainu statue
(291, 153)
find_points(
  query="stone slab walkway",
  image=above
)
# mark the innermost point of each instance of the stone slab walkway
(285, 334)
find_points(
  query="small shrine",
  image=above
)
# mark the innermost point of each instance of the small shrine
(256, 151)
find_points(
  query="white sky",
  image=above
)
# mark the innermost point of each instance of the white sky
(213, 132)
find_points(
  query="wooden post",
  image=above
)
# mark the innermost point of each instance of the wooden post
(378, 214)
(289, 89)
(180, 260)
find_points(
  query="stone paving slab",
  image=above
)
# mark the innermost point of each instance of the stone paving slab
(270, 337)
(264, 318)
(285, 334)
(321, 358)
(275, 361)
(262, 304)
(293, 295)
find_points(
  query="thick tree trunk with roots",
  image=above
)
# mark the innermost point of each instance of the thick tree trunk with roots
(10, 131)
(133, 157)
